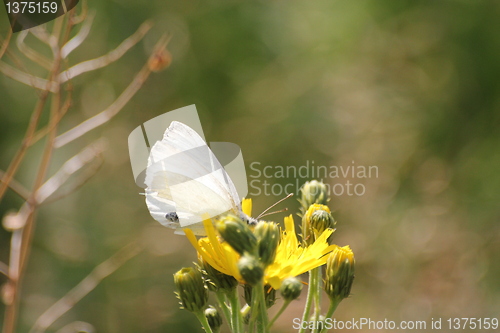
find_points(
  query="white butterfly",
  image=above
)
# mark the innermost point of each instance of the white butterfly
(186, 183)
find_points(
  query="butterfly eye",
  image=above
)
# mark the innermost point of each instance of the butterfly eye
(172, 217)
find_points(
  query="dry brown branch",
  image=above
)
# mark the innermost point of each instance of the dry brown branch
(20, 252)
(108, 58)
(77, 19)
(5, 43)
(87, 155)
(4, 269)
(113, 109)
(74, 42)
(84, 287)
(77, 183)
(22, 223)
(45, 130)
(77, 327)
(43, 35)
(16, 187)
(27, 79)
(30, 53)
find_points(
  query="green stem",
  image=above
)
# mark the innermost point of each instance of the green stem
(333, 306)
(221, 299)
(311, 296)
(203, 320)
(317, 295)
(259, 306)
(236, 319)
(283, 308)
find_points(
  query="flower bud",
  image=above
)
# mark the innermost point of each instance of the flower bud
(339, 273)
(313, 192)
(291, 288)
(214, 318)
(250, 269)
(316, 219)
(268, 235)
(237, 234)
(217, 280)
(159, 60)
(321, 220)
(191, 289)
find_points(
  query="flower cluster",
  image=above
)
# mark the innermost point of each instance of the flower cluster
(265, 258)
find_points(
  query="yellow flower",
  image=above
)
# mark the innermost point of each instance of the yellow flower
(292, 258)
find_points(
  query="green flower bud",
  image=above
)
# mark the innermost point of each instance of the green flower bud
(268, 235)
(237, 234)
(339, 273)
(313, 192)
(316, 219)
(217, 280)
(191, 289)
(250, 269)
(291, 288)
(321, 220)
(214, 318)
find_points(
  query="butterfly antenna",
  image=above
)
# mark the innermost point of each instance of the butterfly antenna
(278, 202)
(275, 212)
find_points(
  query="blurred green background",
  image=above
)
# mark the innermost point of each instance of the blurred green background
(411, 87)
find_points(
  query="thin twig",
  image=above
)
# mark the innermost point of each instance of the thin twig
(5, 43)
(77, 327)
(77, 19)
(27, 79)
(30, 53)
(45, 130)
(43, 35)
(23, 250)
(108, 58)
(74, 42)
(4, 269)
(77, 183)
(84, 287)
(113, 109)
(71, 166)
(17, 187)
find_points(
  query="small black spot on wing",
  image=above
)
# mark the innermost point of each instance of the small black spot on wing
(172, 217)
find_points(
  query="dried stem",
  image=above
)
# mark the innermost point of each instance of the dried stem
(4, 269)
(71, 166)
(5, 43)
(22, 223)
(77, 327)
(113, 109)
(16, 187)
(106, 59)
(74, 42)
(84, 287)
(30, 53)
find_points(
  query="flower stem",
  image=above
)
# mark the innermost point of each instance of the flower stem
(283, 308)
(203, 320)
(259, 306)
(317, 295)
(236, 319)
(311, 296)
(221, 299)
(331, 310)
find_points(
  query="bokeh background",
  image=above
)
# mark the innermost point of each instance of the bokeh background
(408, 86)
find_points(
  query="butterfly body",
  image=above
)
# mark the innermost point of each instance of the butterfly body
(186, 183)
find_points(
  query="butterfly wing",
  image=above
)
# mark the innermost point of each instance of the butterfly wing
(184, 176)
